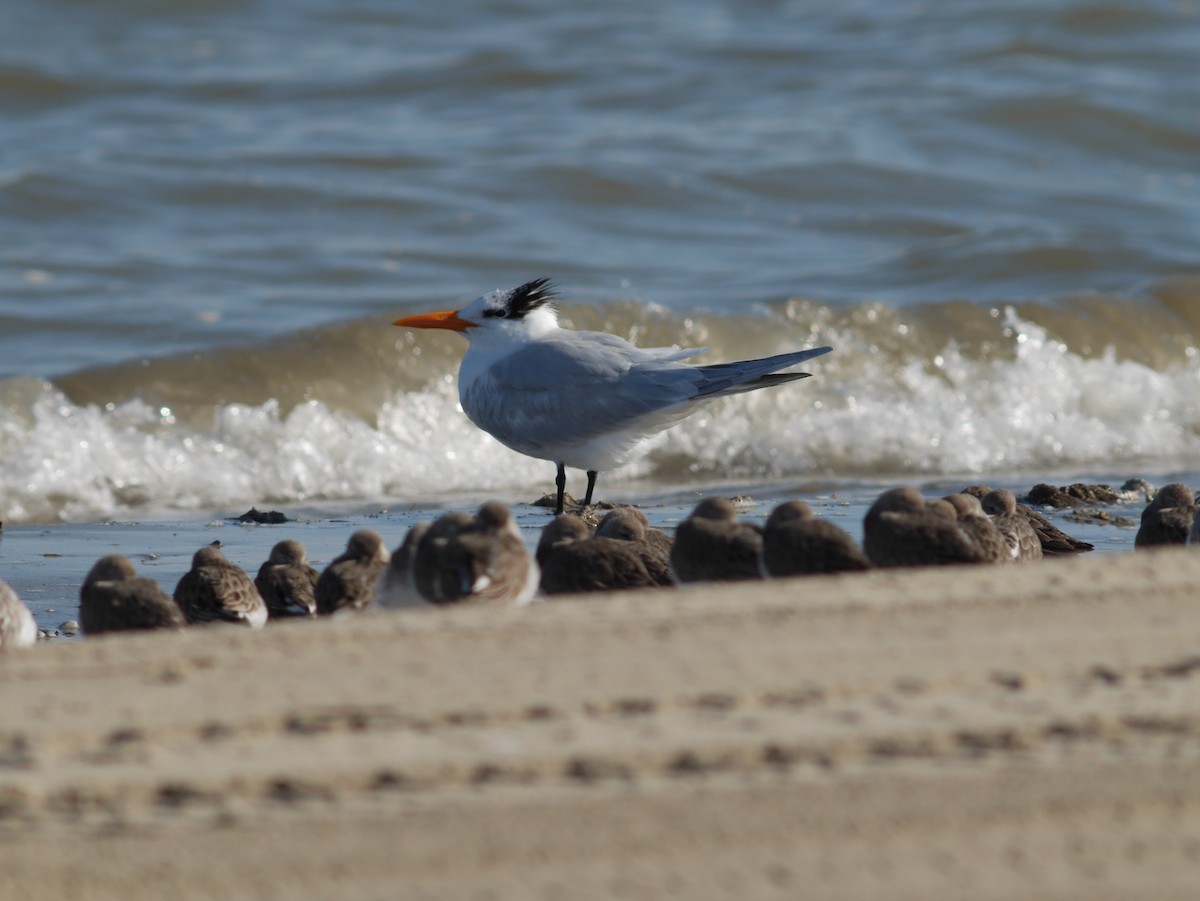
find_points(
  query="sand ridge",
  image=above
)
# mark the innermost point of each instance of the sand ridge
(1005, 731)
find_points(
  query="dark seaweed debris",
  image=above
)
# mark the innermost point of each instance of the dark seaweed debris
(272, 517)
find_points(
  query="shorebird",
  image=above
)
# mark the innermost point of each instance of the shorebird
(1168, 518)
(17, 626)
(115, 599)
(427, 564)
(903, 529)
(796, 543)
(396, 586)
(1054, 541)
(980, 528)
(1017, 526)
(572, 560)
(215, 590)
(348, 582)
(588, 400)
(652, 545)
(287, 583)
(712, 546)
(481, 559)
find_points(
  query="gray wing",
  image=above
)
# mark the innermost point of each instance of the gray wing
(580, 385)
(570, 391)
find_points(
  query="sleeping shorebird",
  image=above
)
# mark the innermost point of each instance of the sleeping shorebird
(1053, 540)
(1168, 518)
(797, 543)
(572, 560)
(588, 400)
(348, 582)
(903, 529)
(214, 590)
(1017, 527)
(287, 583)
(427, 565)
(652, 545)
(115, 599)
(17, 626)
(711, 545)
(396, 586)
(981, 528)
(479, 559)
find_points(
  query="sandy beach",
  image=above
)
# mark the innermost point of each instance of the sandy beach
(988, 733)
(227, 230)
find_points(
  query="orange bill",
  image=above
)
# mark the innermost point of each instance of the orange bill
(447, 320)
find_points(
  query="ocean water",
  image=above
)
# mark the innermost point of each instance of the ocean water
(211, 212)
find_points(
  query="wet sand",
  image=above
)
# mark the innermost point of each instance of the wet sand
(988, 733)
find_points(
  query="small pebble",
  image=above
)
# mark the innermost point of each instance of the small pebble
(70, 627)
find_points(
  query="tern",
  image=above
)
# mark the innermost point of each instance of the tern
(588, 400)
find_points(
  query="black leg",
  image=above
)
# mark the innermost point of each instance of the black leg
(560, 482)
(587, 500)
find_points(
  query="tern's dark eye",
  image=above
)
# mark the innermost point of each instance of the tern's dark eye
(493, 314)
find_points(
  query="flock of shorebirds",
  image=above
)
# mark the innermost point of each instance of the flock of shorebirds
(460, 558)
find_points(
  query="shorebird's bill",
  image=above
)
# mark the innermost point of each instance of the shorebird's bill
(447, 320)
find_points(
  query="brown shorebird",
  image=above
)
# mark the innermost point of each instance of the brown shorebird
(1054, 541)
(482, 560)
(17, 626)
(1014, 524)
(903, 529)
(573, 561)
(397, 586)
(214, 590)
(711, 545)
(115, 599)
(980, 528)
(797, 543)
(287, 583)
(348, 582)
(427, 561)
(652, 545)
(1168, 518)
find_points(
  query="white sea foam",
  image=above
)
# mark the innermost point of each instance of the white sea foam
(1043, 408)
(864, 414)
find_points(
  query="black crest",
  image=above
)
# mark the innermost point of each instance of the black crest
(530, 296)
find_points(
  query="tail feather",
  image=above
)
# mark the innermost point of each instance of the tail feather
(723, 379)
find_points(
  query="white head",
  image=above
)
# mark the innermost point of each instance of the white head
(515, 313)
